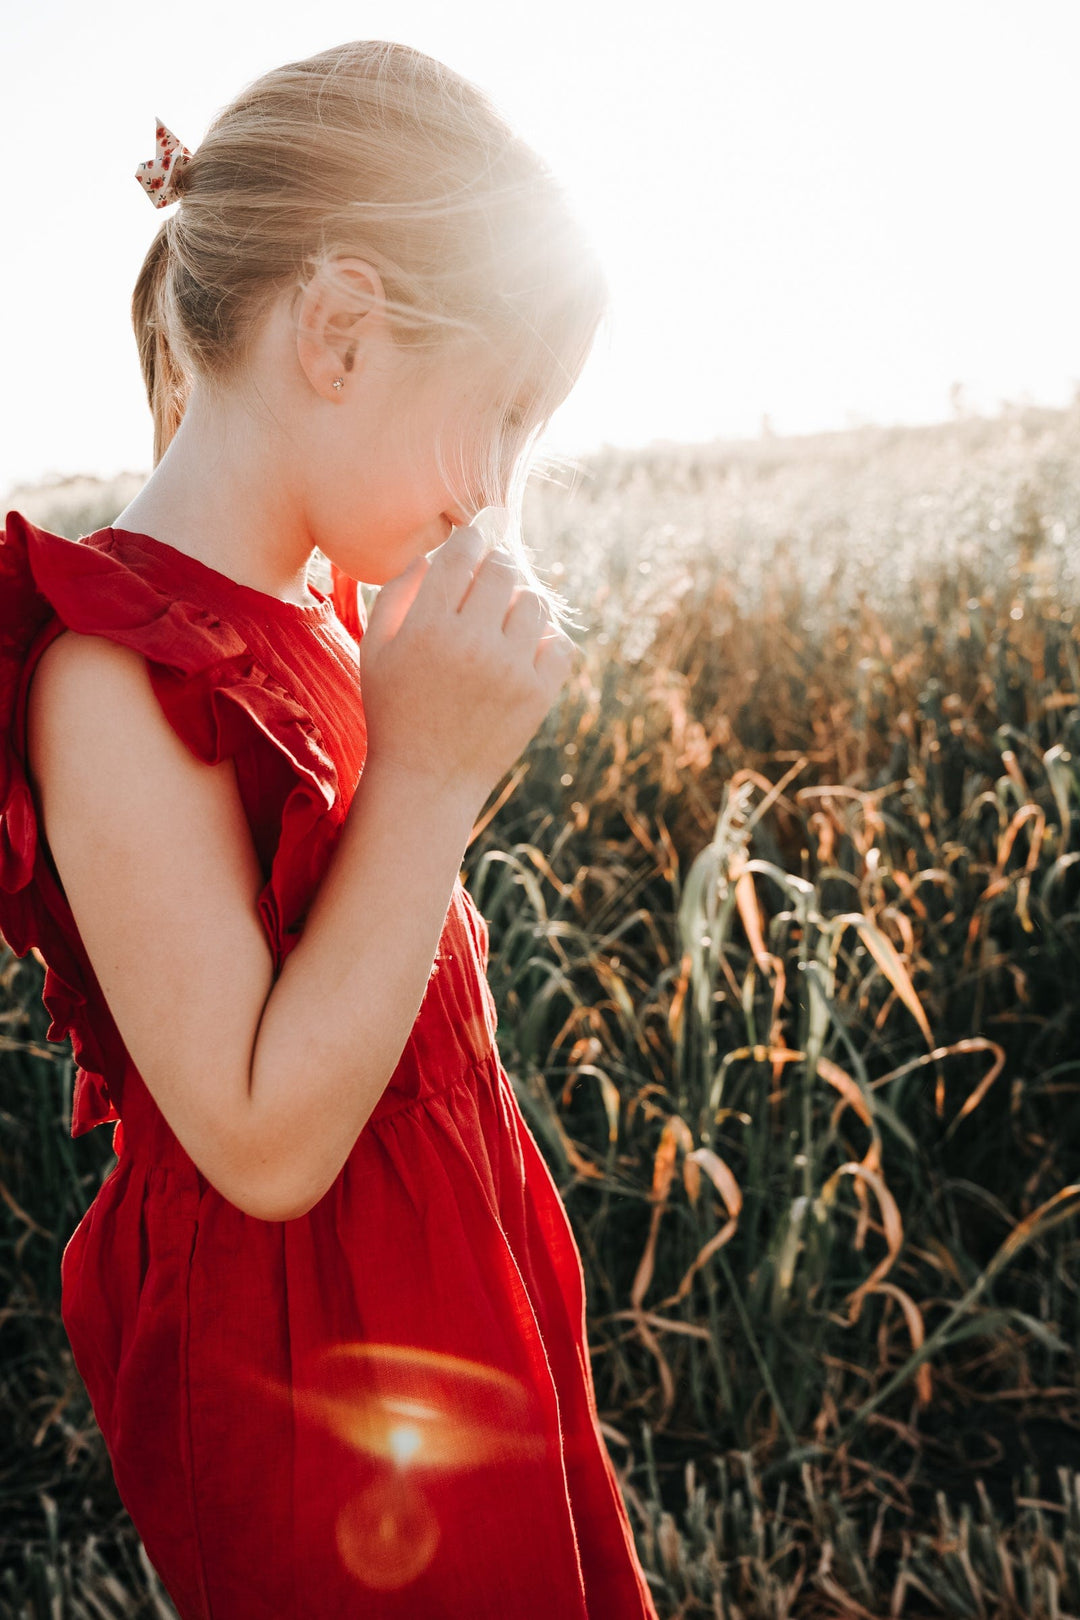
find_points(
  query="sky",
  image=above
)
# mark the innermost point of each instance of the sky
(818, 214)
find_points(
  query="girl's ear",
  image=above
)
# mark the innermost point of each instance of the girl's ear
(339, 313)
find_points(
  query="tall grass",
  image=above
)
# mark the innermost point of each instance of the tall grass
(783, 908)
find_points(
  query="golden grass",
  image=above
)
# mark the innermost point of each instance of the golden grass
(783, 902)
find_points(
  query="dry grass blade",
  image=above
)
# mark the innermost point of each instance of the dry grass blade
(892, 1224)
(676, 1133)
(885, 954)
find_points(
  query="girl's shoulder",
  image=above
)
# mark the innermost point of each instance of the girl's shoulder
(216, 650)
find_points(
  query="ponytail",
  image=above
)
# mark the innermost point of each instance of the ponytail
(167, 384)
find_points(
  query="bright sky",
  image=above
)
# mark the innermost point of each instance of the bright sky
(825, 212)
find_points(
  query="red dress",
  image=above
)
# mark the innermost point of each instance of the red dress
(383, 1409)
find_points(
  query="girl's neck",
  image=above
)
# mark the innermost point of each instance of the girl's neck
(217, 495)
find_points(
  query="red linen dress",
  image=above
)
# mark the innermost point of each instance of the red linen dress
(385, 1408)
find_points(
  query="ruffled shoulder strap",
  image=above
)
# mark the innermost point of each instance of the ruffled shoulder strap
(220, 698)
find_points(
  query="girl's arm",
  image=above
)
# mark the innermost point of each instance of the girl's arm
(349, 991)
(265, 1084)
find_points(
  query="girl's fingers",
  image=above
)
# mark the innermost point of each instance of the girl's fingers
(525, 616)
(447, 573)
(453, 567)
(555, 656)
(393, 602)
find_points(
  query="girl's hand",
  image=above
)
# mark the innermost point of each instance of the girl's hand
(459, 664)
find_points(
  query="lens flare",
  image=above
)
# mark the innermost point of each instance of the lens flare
(387, 1536)
(458, 1413)
(404, 1443)
(413, 1417)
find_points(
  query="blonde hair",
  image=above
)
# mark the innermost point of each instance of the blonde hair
(374, 149)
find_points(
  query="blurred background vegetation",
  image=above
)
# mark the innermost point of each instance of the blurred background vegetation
(784, 903)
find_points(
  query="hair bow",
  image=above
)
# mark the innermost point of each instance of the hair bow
(158, 174)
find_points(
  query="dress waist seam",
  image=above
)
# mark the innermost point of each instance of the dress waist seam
(470, 1067)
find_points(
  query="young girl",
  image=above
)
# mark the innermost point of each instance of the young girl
(327, 1305)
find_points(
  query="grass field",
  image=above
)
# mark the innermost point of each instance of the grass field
(784, 903)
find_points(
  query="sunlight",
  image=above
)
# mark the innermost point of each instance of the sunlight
(404, 1443)
(791, 245)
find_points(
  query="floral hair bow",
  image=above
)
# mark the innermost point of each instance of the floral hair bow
(158, 175)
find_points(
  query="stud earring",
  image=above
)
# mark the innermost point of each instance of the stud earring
(338, 382)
